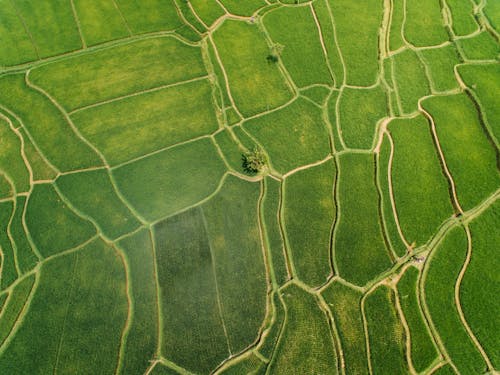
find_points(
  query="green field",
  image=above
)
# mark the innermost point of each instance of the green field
(243, 187)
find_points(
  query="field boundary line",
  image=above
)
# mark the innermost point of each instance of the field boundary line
(130, 308)
(391, 191)
(264, 235)
(214, 272)
(25, 26)
(458, 303)
(77, 22)
(23, 311)
(76, 131)
(159, 307)
(137, 93)
(125, 22)
(69, 298)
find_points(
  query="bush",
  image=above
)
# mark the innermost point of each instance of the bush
(254, 161)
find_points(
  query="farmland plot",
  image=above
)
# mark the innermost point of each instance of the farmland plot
(249, 187)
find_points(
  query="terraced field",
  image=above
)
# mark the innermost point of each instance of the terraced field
(133, 241)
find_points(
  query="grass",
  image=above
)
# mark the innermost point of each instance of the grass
(306, 344)
(100, 21)
(309, 213)
(396, 40)
(326, 28)
(441, 62)
(26, 257)
(105, 74)
(53, 226)
(462, 13)
(480, 47)
(51, 25)
(231, 150)
(13, 307)
(411, 81)
(243, 8)
(47, 125)
(16, 46)
(442, 271)
(423, 351)
(249, 365)
(393, 237)
(9, 272)
(193, 340)
(132, 127)
(209, 11)
(151, 15)
(256, 84)
(296, 30)
(480, 284)
(84, 295)
(233, 232)
(424, 23)
(359, 21)
(473, 165)
(359, 112)
(276, 245)
(360, 251)
(184, 175)
(301, 124)
(483, 81)
(271, 340)
(141, 342)
(345, 305)
(420, 188)
(93, 194)
(318, 94)
(385, 333)
(11, 162)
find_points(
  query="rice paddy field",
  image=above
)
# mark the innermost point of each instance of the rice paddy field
(134, 239)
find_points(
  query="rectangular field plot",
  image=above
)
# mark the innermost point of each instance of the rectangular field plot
(151, 15)
(159, 185)
(256, 84)
(46, 124)
(84, 295)
(100, 21)
(309, 213)
(359, 247)
(480, 287)
(306, 345)
(423, 351)
(26, 257)
(193, 333)
(93, 194)
(345, 305)
(420, 188)
(424, 23)
(117, 71)
(138, 125)
(16, 46)
(462, 14)
(358, 21)
(142, 338)
(51, 24)
(359, 112)
(482, 46)
(440, 278)
(385, 333)
(302, 125)
(233, 230)
(469, 154)
(296, 30)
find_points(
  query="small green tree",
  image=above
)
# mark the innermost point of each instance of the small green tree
(254, 161)
(275, 53)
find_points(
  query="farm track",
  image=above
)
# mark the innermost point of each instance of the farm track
(387, 278)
